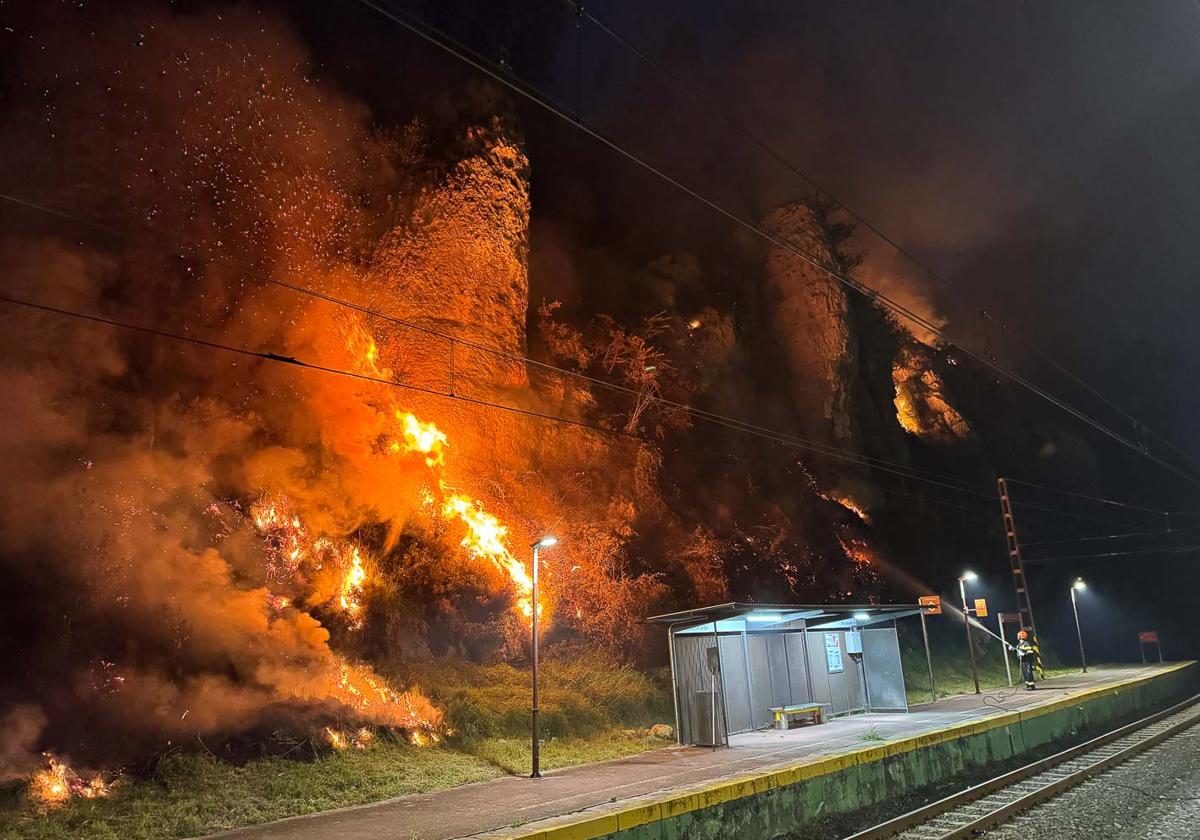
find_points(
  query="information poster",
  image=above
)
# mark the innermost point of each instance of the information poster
(833, 652)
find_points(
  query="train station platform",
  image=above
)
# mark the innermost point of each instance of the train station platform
(841, 764)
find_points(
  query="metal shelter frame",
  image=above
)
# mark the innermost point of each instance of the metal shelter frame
(746, 621)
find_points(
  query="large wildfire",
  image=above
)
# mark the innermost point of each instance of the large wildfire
(197, 544)
(201, 547)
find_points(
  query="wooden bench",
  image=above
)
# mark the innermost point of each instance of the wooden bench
(784, 714)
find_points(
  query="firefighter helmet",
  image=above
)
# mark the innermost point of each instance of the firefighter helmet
(1022, 634)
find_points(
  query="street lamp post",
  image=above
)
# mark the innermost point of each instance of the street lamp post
(1079, 584)
(962, 591)
(544, 542)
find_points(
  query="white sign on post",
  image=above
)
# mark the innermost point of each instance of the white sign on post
(833, 653)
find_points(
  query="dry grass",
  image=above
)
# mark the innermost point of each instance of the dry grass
(589, 714)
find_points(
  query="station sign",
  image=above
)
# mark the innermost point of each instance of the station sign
(1148, 637)
(931, 604)
(1010, 618)
(981, 608)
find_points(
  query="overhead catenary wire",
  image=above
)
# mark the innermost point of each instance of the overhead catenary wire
(469, 56)
(1125, 535)
(296, 362)
(814, 446)
(1099, 499)
(1183, 549)
(714, 417)
(1079, 380)
(779, 158)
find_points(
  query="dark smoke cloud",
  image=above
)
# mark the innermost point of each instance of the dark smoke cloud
(141, 612)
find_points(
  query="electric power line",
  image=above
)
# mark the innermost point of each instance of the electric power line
(1175, 550)
(292, 360)
(295, 362)
(1086, 496)
(527, 91)
(763, 146)
(1079, 380)
(1127, 534)
(713, 417)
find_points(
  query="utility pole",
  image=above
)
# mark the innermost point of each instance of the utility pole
(1020, 581)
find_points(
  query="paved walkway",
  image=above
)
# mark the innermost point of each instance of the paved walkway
(501, 803)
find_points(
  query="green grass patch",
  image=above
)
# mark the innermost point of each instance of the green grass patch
(195, 794)
(579, 697)
(590, 712)
(513, 755)
(952, 669)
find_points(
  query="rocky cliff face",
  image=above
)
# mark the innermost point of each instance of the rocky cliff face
(459, 265)
(922, 408)
(809, 313)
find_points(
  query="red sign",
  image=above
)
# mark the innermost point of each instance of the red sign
(1147, 637)
(931, 604)
(981, 607)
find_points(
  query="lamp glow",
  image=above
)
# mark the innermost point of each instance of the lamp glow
(862, 616)
(969, 576)
(546, 541)
(1079, 584)
(764, 617)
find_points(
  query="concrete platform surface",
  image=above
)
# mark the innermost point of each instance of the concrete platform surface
(503, 803)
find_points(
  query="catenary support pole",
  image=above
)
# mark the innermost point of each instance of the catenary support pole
(1020, 579)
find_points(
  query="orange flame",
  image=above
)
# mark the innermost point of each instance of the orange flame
(425, 438)
(485, 539)
(350, 590)
(54, 785)
(290, 545)
(336, 739)
(50, 788)
(360, 739)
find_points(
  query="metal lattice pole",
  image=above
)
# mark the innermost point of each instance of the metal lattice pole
(1020, 580)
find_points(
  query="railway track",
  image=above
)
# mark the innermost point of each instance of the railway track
(997, 800)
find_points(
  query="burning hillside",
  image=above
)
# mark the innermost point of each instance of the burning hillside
(209, 535)
(197, 545)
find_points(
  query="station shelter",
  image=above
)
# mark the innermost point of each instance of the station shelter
(731, 664)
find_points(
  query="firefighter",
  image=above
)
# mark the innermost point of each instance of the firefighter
(1028, 656)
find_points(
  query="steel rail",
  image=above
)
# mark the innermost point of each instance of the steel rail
(963, 809)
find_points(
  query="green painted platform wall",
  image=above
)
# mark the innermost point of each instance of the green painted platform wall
(786, 810)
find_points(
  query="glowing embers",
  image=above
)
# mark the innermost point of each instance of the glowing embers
(294, 553)
(56, 784)
(850, 505)
(861, 554)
